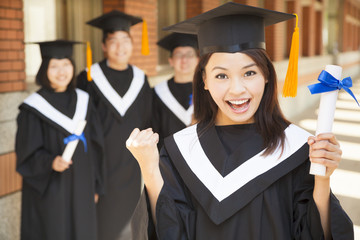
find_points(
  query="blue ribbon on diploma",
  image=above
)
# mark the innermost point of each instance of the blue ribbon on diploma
(328, 83)
(74, 137)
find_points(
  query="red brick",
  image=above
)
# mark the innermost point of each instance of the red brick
(20, 35)
(13, 76)
(4, 76)
(16, 45)
(18, 86)
(18, 65)
(21, 55)
(22, 75)
(2, 13)
(10, 13)
(16, 4)
(2, 34)
(3, 55)
(11, 34)
(19, 14)
(12, 55)
(5, 87)
(4, 24)
(5, 66)
(5, 3)
(16, 24)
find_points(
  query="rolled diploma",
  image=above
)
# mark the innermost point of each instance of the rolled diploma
(326, 115)
(71, 146)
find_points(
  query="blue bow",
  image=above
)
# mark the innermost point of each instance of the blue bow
(190, 99)
(74, 137)
(328, 83)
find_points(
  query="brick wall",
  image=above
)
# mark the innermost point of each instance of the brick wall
(308, 36)
(148, 11)
(196, 7)
(10, 180)
(12, 63)
(351, 26)
(254, 3)
(293, 6)
(274, 34)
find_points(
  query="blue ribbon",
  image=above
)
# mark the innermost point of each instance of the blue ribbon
(74, 137)
(328, 83)
(190, 99)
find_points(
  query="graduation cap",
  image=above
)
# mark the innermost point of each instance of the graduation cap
(119, 21)
(234, 27)
(114, 21)
(56, 49)
(174, 40)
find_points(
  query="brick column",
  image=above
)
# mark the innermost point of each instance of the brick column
(274, 34)
(148, 11)
(254, 3)
(293, 7)
(12, 63)
(196, 7)
(309, 30)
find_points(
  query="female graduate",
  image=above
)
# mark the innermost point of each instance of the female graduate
(173, 108)
(123, 99)
(58, 196)
(242, 172)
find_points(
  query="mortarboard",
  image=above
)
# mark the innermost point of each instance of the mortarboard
(119, 21)
(114, 21)
(234, 27)
(174, 40)
(56, 49)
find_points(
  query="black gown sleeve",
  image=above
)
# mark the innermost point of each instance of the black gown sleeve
(156, 122)
(34, 163)
(307, 223)
(97, 154)
(174, 211)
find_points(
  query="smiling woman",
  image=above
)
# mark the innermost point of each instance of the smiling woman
(241, 172)
(57, 192)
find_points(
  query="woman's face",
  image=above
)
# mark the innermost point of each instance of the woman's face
(236, 84)
(60, 73)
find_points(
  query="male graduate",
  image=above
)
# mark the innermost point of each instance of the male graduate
(124, 100)
(173, 109)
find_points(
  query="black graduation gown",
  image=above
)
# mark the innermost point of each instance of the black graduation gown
(58, 206)
(173, 108)
(217, 187)
(123, 177)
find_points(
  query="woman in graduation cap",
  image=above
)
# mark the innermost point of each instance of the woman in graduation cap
(173, 108)
(123, 98)
(242, 172)
(58, 196)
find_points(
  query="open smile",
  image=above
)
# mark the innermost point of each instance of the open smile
(239, 106)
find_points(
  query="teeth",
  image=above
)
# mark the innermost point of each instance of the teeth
(238, 102)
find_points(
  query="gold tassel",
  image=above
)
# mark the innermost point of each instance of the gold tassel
(145, 40)
(291, 79)
(88, 60)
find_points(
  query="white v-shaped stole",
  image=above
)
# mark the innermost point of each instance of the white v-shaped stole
(164, 93)
(121, 104)
(36, 101)
(221, 187)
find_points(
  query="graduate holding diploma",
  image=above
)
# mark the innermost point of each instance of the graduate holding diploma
(59, 193)
(241, 172)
